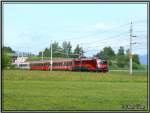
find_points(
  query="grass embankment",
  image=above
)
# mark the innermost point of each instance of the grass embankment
(60, 90)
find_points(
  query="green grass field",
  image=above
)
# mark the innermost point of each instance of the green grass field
(62, 90)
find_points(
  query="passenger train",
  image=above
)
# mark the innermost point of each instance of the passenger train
(80, 64)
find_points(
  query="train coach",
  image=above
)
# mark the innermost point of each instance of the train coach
(56, 65)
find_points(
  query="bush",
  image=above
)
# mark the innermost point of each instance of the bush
(121, 61)
(137, 66)
(6, 60)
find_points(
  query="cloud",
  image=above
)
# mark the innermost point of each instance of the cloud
(97, 26)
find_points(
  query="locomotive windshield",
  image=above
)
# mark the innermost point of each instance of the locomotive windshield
(103, 62)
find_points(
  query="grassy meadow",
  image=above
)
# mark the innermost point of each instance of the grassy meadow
(64, 90)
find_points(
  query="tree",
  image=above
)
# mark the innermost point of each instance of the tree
(109, 52)
(78, 50)
(46, 52)
(106, 53)
(66, 48)
(127, 52)
(101, 55)
(69, 47)
(137, 66)
(121, 51)
(8, 50)
(121, 58)
(40, 53)
(121, 61)
(56, 49)
(6, 56)
(6, 59)
(136, 59)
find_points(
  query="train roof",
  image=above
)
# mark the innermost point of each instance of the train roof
(85, 59)
(54, 60)
(61, 60)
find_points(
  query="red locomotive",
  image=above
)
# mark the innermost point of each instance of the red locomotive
(82, 64)
(90, 64)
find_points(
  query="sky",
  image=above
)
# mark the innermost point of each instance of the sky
(32, 27)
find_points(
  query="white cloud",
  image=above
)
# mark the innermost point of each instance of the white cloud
(97, 26)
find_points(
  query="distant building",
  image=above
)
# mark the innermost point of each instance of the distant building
(19, 61)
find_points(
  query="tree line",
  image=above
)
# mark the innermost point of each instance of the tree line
(120, 59)
(63, 51)
(116, 60)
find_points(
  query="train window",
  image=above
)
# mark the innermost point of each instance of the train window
(70, 63)
(66, 63)
(45, 64)
(55, 64)
(103, 62)
(24, 65)
(38, 64)
(34, 64)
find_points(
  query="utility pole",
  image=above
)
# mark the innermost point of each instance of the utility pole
(18, 54)
(81, 55)
(42, 60)
(42, 56)
(51, 56)
(130, 50)
(22, 52)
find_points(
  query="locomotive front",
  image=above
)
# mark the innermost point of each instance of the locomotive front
(102, 65)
